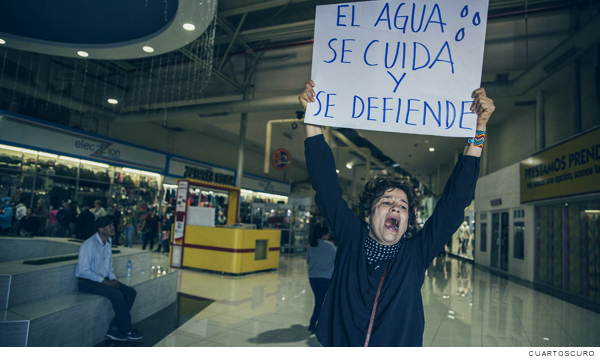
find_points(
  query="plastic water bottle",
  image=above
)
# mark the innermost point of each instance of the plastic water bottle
(129, 269)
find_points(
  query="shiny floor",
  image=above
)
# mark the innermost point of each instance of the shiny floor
(464, 307)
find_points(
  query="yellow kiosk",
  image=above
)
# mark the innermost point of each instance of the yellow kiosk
(200, 241)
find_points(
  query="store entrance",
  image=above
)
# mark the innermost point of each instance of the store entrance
(499, 251)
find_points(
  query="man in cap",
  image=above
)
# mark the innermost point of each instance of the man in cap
(96, 276)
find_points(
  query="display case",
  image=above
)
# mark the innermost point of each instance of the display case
(54, 178)
(292, 220)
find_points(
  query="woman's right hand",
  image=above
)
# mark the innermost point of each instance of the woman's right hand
(308, 95)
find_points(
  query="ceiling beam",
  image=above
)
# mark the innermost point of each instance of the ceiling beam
(258, 7)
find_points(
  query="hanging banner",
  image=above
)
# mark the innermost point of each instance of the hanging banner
(394, 66)
(569, 168)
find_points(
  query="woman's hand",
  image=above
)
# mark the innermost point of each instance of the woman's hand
(483, 106)
(308, 95)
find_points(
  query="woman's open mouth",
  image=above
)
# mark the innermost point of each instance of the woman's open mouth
(392, 224)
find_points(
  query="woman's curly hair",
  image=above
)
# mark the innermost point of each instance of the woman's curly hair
(374, 189)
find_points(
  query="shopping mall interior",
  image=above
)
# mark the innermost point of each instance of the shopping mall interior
(181, 122)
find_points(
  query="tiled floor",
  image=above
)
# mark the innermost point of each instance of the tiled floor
(464, 307)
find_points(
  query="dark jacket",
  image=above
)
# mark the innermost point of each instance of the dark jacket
(63, 217)
(399, 318)
(84, 226)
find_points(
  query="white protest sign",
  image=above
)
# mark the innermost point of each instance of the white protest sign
(394, 66)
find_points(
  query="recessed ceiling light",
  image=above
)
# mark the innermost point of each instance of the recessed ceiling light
(189, 27)
(337, 171)
(148, 49)
(83, 54)
(349, 165)
(113, 101)
(2, 41)
(431, 149)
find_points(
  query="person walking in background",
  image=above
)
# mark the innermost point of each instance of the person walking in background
(116, 216)
(98, 209)
(63, 220)
(20, 213)
(128, 227)
(320, 258)
(84, 225)
(29, 224)
(465, 236)
(51, 219)
(74, 214)
(165, 235)
(151, 226)
(42, 214)
(6, 215)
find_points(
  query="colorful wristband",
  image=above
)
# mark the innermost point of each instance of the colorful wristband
(478, 139)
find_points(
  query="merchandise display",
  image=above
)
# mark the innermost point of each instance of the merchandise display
(292, 220)
(53, 178)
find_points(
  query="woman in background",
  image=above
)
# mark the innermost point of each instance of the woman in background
(128, 227)
(320, 258)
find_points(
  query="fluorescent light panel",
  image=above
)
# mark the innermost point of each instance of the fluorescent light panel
(48, 155)
(150, 174)
(66, 158)
(93, 163)
(131, 170)
(18, 149)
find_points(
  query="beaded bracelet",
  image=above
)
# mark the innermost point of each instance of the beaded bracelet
(478, 139)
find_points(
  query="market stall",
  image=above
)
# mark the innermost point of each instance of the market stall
(200, 240)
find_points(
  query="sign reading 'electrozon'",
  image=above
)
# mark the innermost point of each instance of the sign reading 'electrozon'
(100, 149)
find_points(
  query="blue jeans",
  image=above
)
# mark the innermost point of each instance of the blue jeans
(319, 287)
(128, 232)
(122, 299)
(50, 229)
(62, 231)
(16, 226)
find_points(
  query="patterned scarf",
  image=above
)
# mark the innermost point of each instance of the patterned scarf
(377, 252)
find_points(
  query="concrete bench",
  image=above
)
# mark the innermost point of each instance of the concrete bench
(43, 307)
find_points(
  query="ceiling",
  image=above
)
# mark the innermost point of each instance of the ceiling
(261, 48)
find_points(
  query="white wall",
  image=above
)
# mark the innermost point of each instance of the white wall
(505, 185)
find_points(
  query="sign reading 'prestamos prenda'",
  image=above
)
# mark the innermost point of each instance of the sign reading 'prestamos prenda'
(569, 168)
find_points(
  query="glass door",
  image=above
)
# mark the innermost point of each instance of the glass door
(499, 248)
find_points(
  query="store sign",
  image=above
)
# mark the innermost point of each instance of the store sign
(194, 170)
(395, 66)
(570, 168)
(28, 133)
(180, 211)
(281, 159)
(250, 182)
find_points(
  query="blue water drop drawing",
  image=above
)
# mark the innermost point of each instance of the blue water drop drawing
(460, 35)
(465, 11)
(476, 19)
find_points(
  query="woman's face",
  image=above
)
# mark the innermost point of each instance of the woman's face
(389, 217)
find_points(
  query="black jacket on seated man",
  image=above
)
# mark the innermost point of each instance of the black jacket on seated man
(96, 276)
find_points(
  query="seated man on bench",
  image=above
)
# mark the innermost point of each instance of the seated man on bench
(96, 276)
